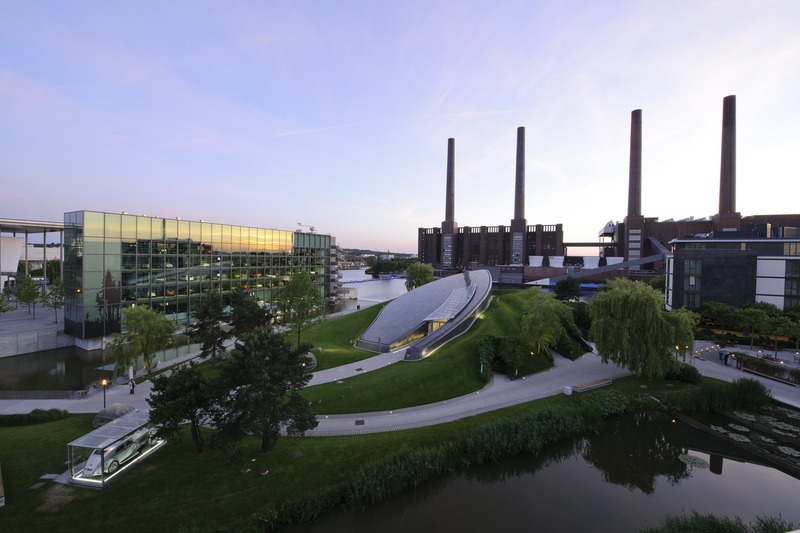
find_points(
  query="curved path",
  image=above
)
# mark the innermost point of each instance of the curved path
(499, 393)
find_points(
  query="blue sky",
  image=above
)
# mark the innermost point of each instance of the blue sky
(337, 113)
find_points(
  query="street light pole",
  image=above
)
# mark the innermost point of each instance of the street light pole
(104, 383)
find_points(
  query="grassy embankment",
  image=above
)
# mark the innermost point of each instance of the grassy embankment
(178, 489)
(450, 372)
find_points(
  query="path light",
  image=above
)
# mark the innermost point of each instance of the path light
(104, 383)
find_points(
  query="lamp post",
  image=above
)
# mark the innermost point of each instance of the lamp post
(104, 383)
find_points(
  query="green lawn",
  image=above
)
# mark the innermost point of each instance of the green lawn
(451, 371)
(337, 336)
(175, 488)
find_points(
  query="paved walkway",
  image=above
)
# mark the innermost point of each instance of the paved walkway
(499, 393)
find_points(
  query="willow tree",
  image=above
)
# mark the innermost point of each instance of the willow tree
(682, 321)
(630, 328)
(543, 320)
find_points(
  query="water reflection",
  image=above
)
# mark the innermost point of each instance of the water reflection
(67, 368)
(651, 453)
(626, 477)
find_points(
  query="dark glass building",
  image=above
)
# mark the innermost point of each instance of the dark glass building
(731, 269)
(113, 261)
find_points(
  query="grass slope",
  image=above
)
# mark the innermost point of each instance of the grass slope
(451, 371)
(176, 489)
(336, 336)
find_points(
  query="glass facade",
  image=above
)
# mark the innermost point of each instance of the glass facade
(113, 261)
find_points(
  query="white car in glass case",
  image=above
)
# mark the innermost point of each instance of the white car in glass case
(117, 453)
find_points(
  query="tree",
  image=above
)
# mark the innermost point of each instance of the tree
(630, 328)
(568, 289)
(752, 319)
(724, 315)
(300, 302)
(683, 321)
(542, 320)
(145, 332)
(779, 326)
(418, 274)
(53, 269)
(793, 313)
(54, 296)
(27, 292)
(5, 306)
(659, 283)
(246, 313)
(258, 389)
(512, 353)
(208, 328)
(183, 395)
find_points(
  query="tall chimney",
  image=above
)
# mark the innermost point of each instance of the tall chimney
(450, 195)
(519, 184)
(449, 227)
(519, 236)
(727, 174)
(635, 170)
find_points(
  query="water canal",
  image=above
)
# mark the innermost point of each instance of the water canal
(636, 471)
(75, 369)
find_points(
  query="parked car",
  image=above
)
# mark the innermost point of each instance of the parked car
(117, 453)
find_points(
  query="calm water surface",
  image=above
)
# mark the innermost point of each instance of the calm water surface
(74, 369)
(629, 476)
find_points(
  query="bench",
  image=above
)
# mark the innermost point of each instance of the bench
(589, 385)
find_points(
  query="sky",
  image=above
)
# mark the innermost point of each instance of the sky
(336, 114)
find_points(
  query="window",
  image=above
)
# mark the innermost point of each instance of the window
(692, 270)
(791, 248)
(792, 285)
(692, 266)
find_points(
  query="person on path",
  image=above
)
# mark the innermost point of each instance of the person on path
(132, 385)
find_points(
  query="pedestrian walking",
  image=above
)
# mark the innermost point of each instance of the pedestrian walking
(132, 385)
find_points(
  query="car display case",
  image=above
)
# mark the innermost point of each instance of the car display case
(106, 452)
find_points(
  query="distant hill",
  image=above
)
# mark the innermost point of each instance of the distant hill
(360, 251)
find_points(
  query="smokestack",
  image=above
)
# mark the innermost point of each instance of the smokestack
(450, 195)
(635, 170)
(519, 188)
(448, 250)
(519, 238)
(727, 174)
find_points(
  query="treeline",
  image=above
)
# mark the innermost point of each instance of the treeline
(388, 266)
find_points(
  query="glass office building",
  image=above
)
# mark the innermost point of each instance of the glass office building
(113, 261)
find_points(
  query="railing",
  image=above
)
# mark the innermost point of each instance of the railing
(43, 394)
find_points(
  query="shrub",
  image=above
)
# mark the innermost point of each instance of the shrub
(747, 392)
(685, 374)
(604, 403)
(708, 522)
(714, 395)
(37, 416)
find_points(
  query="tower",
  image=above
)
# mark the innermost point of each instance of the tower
(449, 226)
(518, 223)
(728, 219)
